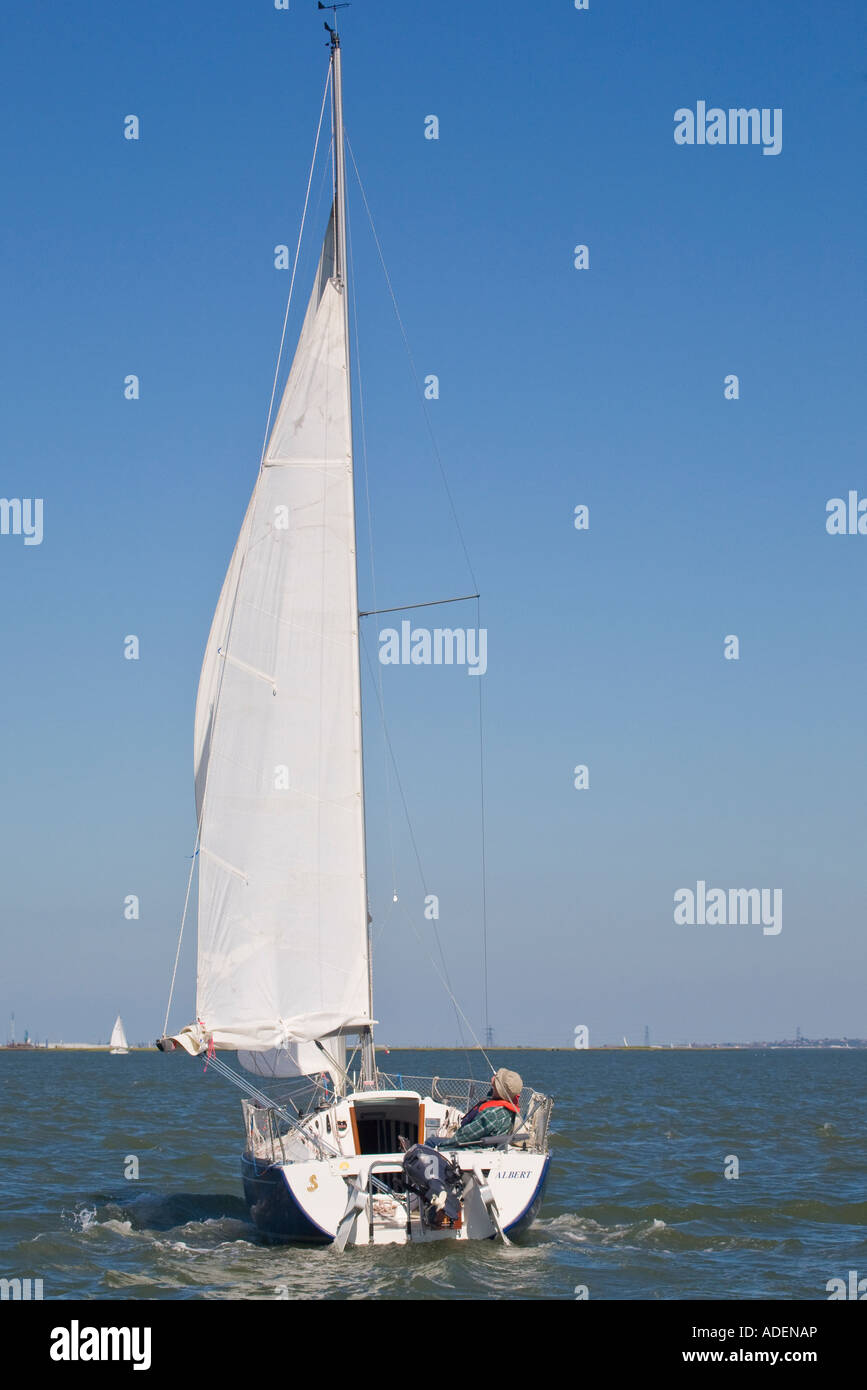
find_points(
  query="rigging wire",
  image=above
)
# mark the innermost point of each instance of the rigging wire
(453, 509)
(484, 838)
(326, 1149)
(442, 973)
(452, 996)
(295, 266)
(414, 370)
(196, 844)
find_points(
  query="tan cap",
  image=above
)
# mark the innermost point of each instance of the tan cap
(508, 1084)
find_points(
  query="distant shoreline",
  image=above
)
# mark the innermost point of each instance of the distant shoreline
(70, 1047)
(855, 1046)
(858, 1045)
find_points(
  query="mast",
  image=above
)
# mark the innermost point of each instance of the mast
(368, 1055)
(339, 172)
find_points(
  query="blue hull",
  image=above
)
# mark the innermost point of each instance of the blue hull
(528, 1215)
(273, 1209)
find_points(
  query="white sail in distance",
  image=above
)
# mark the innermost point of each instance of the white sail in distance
(282, 931)
(118, 1042)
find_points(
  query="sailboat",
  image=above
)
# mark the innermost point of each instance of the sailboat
(118, 1044)
(284, 960)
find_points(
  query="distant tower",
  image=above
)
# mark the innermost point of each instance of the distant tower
(798, 1033)
(12, 1029)
(647, 1035)
(489, 1036)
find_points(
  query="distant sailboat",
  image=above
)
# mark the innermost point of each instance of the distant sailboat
(118, 1044)
(284, 971)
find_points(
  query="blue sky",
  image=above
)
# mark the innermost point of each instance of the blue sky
(557, 387)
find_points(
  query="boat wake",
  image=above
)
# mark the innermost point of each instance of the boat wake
(153, 1214)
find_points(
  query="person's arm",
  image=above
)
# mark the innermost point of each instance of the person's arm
(466, 1134)
(489, 1122)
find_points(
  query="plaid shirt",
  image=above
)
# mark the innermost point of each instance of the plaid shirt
(496, 1119)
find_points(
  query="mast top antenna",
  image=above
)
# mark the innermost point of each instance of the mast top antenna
(335, 37)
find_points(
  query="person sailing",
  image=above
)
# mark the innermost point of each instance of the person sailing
(436, 1178)
(495, 1115)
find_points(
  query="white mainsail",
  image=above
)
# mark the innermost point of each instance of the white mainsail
(118, 1042)
(282, 939)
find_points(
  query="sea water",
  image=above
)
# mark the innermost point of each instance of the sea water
(120, 1179)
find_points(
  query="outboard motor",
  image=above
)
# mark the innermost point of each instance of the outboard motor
(437, 1181)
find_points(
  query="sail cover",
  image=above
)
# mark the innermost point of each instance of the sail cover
(282, 941)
